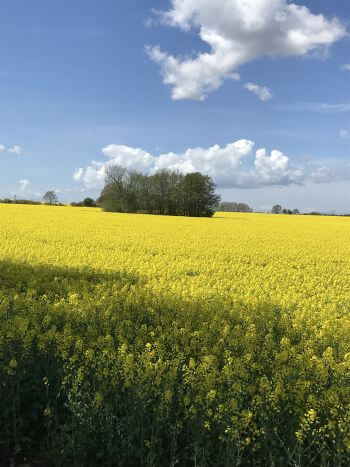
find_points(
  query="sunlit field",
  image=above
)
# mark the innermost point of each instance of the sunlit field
(254, 258)
(152, 340)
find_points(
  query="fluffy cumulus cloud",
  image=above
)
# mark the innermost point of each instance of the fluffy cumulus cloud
(262, 92)
(346, 67)
(237, 164)
(93, 176)
(275, 169)
(238, 32)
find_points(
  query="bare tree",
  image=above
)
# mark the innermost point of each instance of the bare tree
(116, 174)
(50, 197)
(117, 181)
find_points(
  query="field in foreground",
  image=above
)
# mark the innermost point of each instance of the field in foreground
(145, 340)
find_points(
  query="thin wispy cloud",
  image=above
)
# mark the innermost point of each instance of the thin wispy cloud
(345, 134)
(315, 107)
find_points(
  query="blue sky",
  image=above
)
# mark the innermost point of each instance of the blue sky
(78, 85)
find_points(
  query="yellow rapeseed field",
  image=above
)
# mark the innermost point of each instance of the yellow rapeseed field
(255, 258)
(149, 340)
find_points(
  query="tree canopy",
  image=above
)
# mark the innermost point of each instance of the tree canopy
(166, 192)
(276, 209)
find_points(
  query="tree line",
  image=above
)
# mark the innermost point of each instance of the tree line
(167, 192)
(228, 206)
(277, 209)
(50, 197)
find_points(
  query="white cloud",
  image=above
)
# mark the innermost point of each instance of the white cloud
(15, 150)
(78, 174)
(11, 150)
(23, 186)
(94, 175)
(131, 158)
(234, 165)
(346, 67)
(275, 169)
(344, 134)
(262, 92)
(194, 78)
(238, 32)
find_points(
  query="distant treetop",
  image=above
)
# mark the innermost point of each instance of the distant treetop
(50, 197)
(228, 206)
